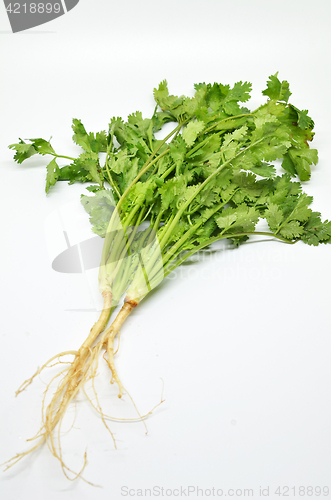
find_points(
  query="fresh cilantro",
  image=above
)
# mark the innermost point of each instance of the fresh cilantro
(212, 177)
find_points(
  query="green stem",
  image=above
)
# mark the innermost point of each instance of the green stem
(111, 180)
(158, 220)
(188, 233)
(166, 226)
(177, 263)
(168, 171)
(106, 247)
(119, 265)
(149, 163)
(63, 156)
(128, 240)
(227, 119)
(172, 140)
(157, 159)
(119, 243)
(202, 143)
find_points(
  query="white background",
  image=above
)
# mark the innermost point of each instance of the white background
(241, 341)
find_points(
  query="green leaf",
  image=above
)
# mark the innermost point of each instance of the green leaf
(80, 136)
(316, 231)
(209, 195)
(83, 169)
(141, 124)
(172, 191)
(247, 188)
(264, 170)
(178, 152)
(94, 189)
(239, 93)
(299, 137)
(276, 89)
(190, 105)
(74, 173)
(290, 215)
(265, 124)
(204, 150)
(89, 142)
(282, 188)
(118, 163)
(230, 124)
(42, 147)
(100, 145)
(100, 208)
(227, 219)
(300, 210)
(204, 232)
(288, 165)
(291, 230)
(239, 219)
(90, 163)
(191, 131)
(300, 161)
(304, 121)
(52, 174)
(274, 216)
(167, 102)
(23, 151)
(162, 92)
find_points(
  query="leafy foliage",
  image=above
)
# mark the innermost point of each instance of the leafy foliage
(212, 177)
